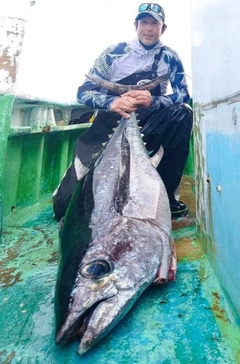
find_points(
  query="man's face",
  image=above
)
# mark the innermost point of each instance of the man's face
(149, 30)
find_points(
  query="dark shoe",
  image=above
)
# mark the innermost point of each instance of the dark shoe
(178, 208)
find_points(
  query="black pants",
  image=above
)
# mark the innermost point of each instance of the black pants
(170, 127)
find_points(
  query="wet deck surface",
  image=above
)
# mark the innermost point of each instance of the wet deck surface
(185, 321)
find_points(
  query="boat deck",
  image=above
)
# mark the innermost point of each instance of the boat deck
(186, 321)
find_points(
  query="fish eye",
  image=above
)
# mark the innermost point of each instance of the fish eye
(96, 269)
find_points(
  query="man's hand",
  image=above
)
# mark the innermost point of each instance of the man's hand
(130, 101)
(141, 97)
(124, 106)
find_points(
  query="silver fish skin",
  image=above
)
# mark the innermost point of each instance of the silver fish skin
(131, 238)
(120, 89)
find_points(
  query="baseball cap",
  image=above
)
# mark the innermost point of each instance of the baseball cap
(154, 10)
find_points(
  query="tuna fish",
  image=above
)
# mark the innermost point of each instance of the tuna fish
(116, 239)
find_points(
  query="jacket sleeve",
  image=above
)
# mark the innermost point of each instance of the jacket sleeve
(96, 96)
(178, 83)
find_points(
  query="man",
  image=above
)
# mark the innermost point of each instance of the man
(166, 119)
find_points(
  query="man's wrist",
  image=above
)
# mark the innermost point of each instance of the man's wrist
(111, 103)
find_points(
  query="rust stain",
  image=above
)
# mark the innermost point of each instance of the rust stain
(11, 253)
(8, 61)
(8, 277)
(230, 332)
(13, 261)
(187, 195)
(183, 222)
(203, 274)
(8, 64)
(38, 244)
(46, 239)
(53, 258)
(46, 129)
(50, 242)
(9, 358)
(188, 250)
(218, 310)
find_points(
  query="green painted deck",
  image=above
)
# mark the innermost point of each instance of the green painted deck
(186, 321)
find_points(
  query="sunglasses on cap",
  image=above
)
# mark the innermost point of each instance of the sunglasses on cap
(154, 7)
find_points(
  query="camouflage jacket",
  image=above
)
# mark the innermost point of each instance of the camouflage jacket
(123, 59)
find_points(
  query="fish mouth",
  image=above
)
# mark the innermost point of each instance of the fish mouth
(79, 327)
(79, 315)
(77, 320)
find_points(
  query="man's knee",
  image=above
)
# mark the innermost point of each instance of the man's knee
(182, 108)
(187, 111)
(183, 114)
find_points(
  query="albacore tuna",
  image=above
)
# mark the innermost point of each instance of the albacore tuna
(115, 240)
